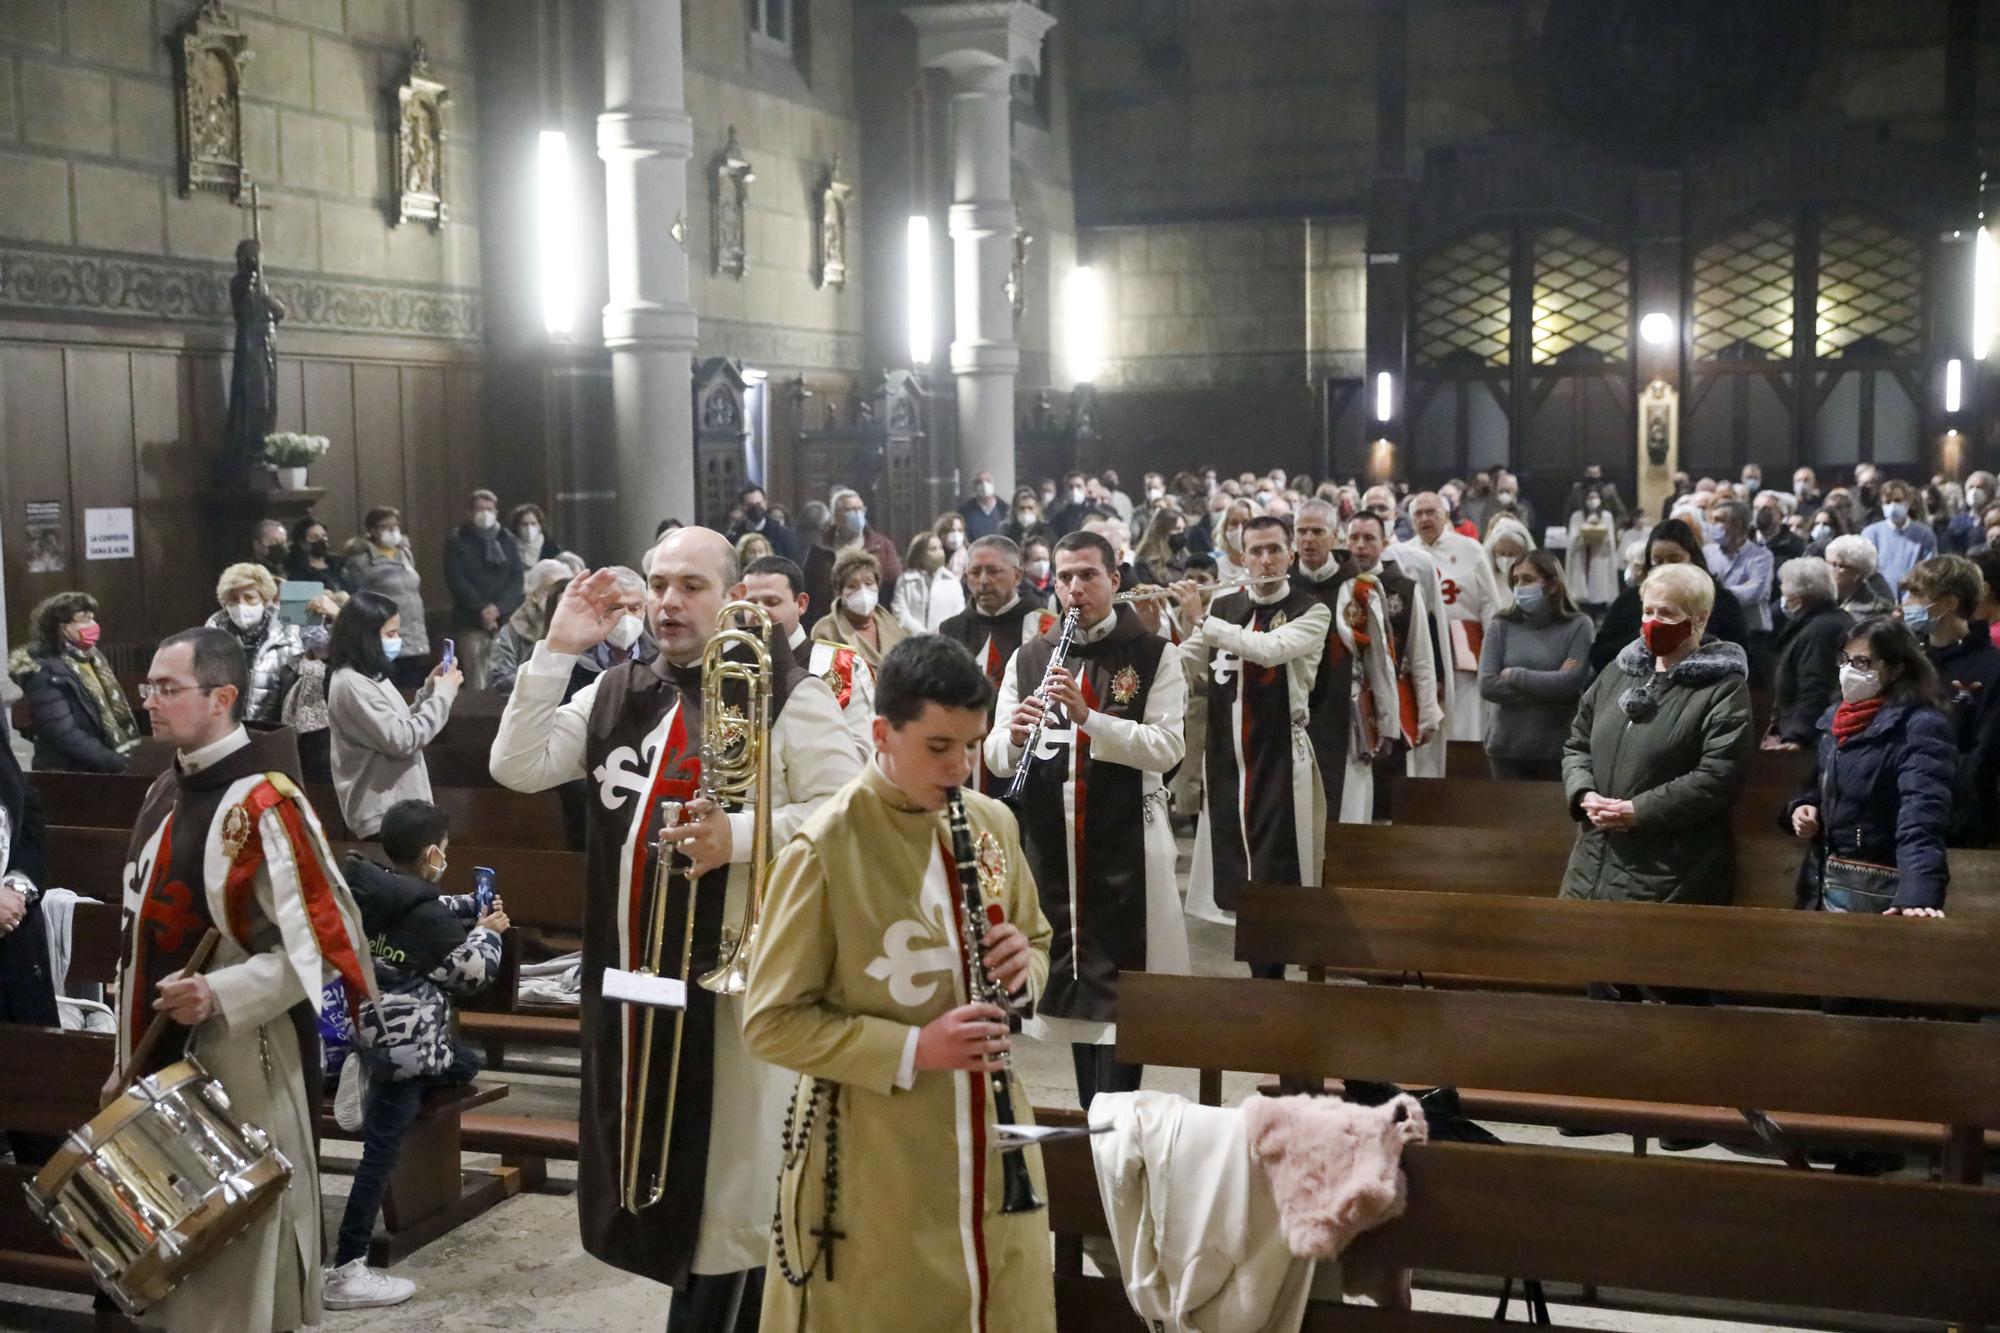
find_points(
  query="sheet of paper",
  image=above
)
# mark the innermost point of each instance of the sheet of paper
(639, 988)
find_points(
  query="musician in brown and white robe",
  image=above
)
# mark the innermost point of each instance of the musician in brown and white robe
(779, 586)
(1094, 811)
(636, 735)
(1263, 815)
(891, 1210)
(226, 841)
(994, 626)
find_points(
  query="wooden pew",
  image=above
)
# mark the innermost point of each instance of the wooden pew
(1486, 803)
(484, 816)
(1768, 768)
(1530, 863)
(1696, 1229)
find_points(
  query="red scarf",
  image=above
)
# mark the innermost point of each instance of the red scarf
(1851, 719)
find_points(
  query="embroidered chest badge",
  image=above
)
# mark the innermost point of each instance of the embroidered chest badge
(992, 863)
(1278, 622)
(236, 829)
(1124, 685)
(1395, 606)
(1357, 614)
(835, 683)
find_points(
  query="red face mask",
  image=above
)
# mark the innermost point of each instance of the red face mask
(86, 635)
(1662, 637)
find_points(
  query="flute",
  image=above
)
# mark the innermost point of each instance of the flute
(1157, 592)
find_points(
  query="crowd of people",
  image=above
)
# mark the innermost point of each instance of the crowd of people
(1253, 659)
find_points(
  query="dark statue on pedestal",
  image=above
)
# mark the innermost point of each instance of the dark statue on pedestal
(253, 378)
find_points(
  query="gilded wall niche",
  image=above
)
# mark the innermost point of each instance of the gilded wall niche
(421, 106)
(209, 55)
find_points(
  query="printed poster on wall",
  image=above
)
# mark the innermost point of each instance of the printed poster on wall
(107, 535)
(43, 531)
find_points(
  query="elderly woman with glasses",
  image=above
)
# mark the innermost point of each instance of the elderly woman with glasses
(1805, 682)
(1862, 592)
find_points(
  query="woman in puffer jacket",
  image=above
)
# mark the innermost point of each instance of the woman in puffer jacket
(1879, 798)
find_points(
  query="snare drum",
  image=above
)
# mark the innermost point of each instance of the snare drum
(160, 1179)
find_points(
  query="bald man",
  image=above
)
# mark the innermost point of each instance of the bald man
(636, 734)
(1471, 600)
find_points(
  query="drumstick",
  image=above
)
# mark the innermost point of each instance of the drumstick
(158, 1027)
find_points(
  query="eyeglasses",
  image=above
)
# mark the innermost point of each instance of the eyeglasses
(1860, 662)
(148, 690)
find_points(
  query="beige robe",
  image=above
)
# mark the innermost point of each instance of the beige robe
(859, 948)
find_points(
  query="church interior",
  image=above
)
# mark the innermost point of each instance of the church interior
(498, 316)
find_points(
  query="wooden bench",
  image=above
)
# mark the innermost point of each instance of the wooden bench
(1535, 806)
(1745, 1232)
(483, 816)
(526, 1144)
(1768, 768)
(430, 1194)
(1530, 863)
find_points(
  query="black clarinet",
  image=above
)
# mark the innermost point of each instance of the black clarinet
(1057, 659)
(1018, 1193)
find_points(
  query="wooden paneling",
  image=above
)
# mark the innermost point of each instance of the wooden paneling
(102, 417)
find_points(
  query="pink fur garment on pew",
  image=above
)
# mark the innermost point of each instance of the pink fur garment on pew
(1335, 1168)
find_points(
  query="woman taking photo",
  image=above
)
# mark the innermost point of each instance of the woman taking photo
(1658, 753)
(1878, 801)
(858, 619)
(378, 740)
(1533, 668)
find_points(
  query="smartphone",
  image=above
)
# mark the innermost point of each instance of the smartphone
(484, 892)
(450, 658)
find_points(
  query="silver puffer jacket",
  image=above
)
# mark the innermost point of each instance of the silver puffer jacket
(273, 648)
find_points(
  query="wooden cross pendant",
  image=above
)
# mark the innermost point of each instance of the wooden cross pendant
(827, 1236)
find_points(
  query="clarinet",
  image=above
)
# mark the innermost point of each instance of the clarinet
(1018, 1193)
(1056, 659)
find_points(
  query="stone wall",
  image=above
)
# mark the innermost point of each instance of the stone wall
(91, 218)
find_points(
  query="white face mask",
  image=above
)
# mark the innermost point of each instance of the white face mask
(1858, 686)
(626, 632)
(1038, 569)
(485, 520)
(389, 538)
(1076, 495)
(986, 490)
(531, 532)
(1154, 492)
(1975, 498)
(1505, 564)
(247, 615)
(860, 603)
(953, 540)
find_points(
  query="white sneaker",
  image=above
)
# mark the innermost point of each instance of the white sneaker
(356, 1286)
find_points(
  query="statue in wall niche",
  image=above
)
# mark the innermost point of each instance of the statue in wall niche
(1017, 273)
(421, 106)
(729, 199)
(253, 375)
(835, 195)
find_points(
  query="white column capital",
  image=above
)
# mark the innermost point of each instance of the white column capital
(645, 132)
(979, 42)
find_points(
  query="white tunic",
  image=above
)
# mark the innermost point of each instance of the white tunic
(1414, 558)
(1471, 599)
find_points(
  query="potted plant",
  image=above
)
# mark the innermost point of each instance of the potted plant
(289, 454)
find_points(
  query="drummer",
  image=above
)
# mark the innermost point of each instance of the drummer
(226, 841)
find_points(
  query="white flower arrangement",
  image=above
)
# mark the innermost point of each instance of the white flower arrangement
(287, 448)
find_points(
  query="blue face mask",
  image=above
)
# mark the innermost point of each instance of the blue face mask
(1916, 617)
(1822, 533)
(392, 648)
(1896, 511)
(1530, 597)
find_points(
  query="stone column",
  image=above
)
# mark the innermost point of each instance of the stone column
(982, 46)
(646, 140)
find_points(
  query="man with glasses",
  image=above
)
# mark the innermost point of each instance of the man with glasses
(226, 842)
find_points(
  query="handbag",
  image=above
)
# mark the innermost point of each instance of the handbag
(1862, 888)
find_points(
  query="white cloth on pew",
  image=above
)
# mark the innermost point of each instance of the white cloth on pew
(1200, 1246)
(557, 981)
(58, 915)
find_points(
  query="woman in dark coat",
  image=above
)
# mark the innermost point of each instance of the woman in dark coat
(78, 713)
(1881, 787)
(1670, 543)
(1807, 682)
(1657, 756)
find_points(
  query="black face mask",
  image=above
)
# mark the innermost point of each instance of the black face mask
(317, 549)
(753, 513)
(1177, 541)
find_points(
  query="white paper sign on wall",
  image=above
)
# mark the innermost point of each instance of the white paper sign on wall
(107, 535)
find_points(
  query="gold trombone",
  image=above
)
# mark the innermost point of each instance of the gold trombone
(735, 768)
(1157, 592)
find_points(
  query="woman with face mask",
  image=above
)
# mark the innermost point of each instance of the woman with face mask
(304, 706)
(378, 740)
(249, 599)
(1533, 667)
(858, 619)
(1658, 753)
(1875, 808)
(950, 531)
(1670, 543)
(312, 559)
(928, 593)
(532, 539)
(1037, 571)
(80, 717)
(1229, 546)
(1508, 542)
(1805, 680)
(380, 562)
